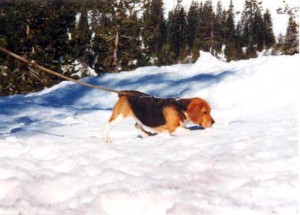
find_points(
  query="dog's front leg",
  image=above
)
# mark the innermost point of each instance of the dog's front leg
(106, 138)
(112, 122)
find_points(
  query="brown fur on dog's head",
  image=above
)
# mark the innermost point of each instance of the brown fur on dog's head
(198, 111)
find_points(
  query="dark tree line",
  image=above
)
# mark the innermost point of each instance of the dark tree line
(109, 36)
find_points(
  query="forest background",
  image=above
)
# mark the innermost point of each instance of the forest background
(92, 37)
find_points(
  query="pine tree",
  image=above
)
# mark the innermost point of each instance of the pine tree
(250, 52)
(35, 31)
(218, 27)
(269, 38)
(259, 30)
(292, 36)
(230, 27)
(52, 41)
(176, 33)
(82, 38)
(102, 29)
(289, 43)
(153, 28)
(204, 37)
(182, 25)
(238, 40)
(119, 32)
(13, 35)
(250, 11)
(173, 48)
(99, 44)
(110, 36)
(231, 38)
(130, 51)
(192, 20)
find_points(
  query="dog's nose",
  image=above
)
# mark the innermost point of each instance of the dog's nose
(212, 122)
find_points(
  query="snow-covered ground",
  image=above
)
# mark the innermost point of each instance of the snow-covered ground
(53, 161)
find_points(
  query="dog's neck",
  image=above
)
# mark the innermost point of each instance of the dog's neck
(183, 104)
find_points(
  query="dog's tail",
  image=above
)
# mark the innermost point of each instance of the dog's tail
(132, 93)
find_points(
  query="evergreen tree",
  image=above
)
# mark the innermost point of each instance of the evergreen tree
(259, 30)
(251, 52)
(249, 15)
(192, 20)
(119, 33)
(13, 36)
(269, 38)
(53, 37)
(232, 36)
(176, 33)
(218, 27)
(204, 37)
(100, 22)
(110, 36)
(230, 27)
(292, 36)
(131, 33)
(173, 47)
(182, 25)
(82, 38)
(238, 38)
(153, 27)
(289, 43)
(230, 52)
(35, 31)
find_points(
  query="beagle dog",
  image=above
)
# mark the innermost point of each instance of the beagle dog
(161, 115)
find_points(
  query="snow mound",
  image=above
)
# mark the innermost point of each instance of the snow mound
(52, 159)
(207, 63)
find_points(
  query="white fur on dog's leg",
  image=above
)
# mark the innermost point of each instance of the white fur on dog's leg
(106, 138)
(142, 131)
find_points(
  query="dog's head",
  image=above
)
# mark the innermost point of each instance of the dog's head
(198, 111)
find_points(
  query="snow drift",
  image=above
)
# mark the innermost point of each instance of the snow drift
(53, 161)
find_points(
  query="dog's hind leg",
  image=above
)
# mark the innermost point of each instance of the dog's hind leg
(142, 131)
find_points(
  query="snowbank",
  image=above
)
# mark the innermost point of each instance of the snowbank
(52, 160)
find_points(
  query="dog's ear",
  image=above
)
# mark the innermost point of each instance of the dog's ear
(194, 112)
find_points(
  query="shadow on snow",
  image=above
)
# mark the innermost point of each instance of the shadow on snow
(162, 84)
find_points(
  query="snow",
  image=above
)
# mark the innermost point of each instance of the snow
(53, 161)
(280, 21)
(81, 69)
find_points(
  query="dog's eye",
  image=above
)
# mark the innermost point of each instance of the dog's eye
(205, 112)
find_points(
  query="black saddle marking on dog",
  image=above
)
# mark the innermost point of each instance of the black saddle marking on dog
(149, 109)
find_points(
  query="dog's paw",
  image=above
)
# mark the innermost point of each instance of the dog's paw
(107, 140)
(142, 131)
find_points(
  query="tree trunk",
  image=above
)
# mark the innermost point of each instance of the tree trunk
(115, 63)
(212, 37)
